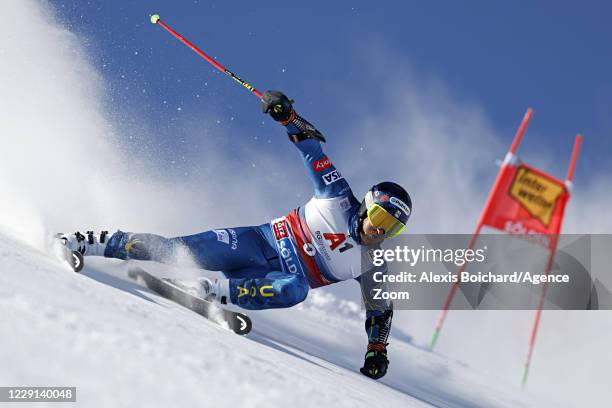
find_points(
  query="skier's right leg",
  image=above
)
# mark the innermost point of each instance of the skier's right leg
(226, 249)
(122, 245)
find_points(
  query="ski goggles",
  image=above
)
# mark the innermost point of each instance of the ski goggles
(381, 218)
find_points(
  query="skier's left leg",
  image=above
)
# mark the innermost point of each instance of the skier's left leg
(245, 255)
(249, 260)
(267, 290)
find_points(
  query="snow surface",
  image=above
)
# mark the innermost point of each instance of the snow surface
(122, 345)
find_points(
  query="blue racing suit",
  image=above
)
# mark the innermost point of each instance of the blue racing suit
(273, 265)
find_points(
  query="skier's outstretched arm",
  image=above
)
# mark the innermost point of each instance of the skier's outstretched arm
(327, 180)
(379, 315)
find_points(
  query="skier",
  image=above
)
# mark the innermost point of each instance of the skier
(273, 265)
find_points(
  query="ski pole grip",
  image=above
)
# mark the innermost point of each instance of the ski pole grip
(154, 18)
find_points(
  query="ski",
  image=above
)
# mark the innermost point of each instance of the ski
(74, 258)
(240, 323)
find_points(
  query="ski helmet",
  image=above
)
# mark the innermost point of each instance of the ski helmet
(388, 206)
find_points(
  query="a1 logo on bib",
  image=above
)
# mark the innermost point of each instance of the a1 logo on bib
(335, 240)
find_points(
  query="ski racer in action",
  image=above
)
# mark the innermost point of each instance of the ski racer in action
(273, 265)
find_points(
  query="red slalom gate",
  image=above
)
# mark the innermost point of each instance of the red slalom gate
(505, 208)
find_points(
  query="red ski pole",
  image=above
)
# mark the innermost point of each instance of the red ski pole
(156, 20)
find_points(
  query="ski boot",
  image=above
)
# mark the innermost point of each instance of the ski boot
(212, 290)
(88, 244)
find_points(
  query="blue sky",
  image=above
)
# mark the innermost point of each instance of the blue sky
(500, 56)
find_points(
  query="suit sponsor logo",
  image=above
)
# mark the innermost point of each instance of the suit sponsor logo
(132, 245)
(222, 236)
(284, 245)
(286, 253)
(345, 204)
(280, 229)
(322, 164)
(332, 177)
(265, 291)
(234, 236)
(321, 245)
(400, 204)
(309, 249)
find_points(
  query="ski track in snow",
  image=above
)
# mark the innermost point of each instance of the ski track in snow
(122, 345)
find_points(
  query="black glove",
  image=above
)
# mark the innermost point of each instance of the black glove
(281, 109)
(375, 364)
(277, 105)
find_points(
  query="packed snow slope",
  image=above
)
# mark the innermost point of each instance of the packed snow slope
(123, 346)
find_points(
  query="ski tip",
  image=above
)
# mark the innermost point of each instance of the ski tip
(154, 18)
(76, 261)
(241, 324)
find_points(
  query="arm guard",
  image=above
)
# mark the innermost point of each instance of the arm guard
(300, 129)
(378, 327)
(379, 312)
